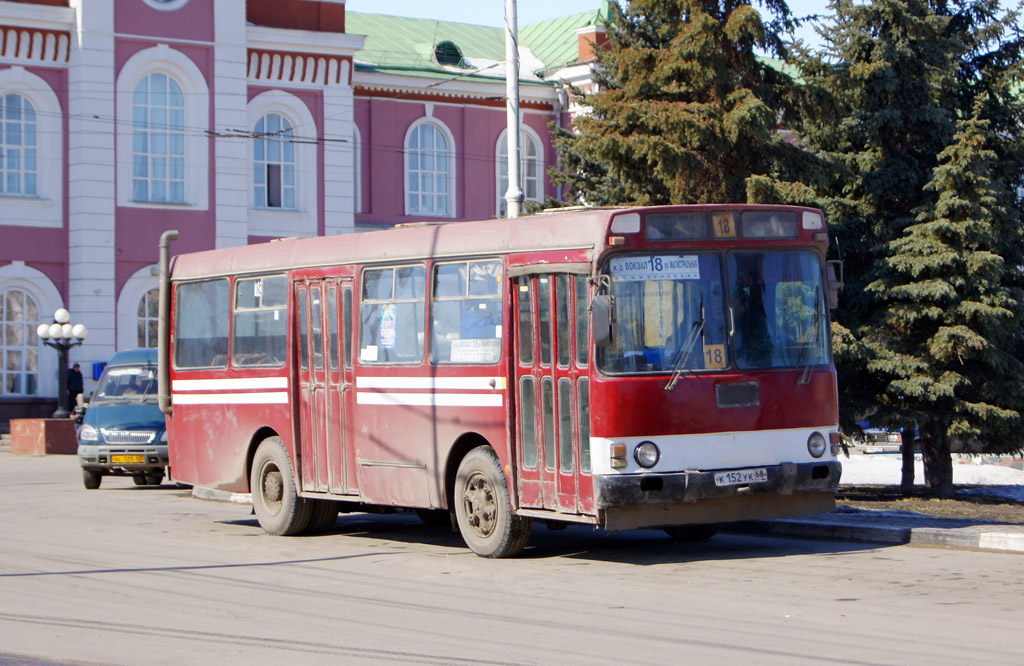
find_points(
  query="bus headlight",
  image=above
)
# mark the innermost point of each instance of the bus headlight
(646, 454)
(87, 433)
(816, 445)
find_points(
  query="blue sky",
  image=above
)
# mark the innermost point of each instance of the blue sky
(492, 12)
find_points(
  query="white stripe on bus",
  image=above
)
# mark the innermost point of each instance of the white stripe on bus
(432, 383)
(430, 399)
(265, 398)
(229, 384)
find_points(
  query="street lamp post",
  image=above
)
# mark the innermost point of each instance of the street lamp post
(59, 335)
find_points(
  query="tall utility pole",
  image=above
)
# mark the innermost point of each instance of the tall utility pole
(514, 194)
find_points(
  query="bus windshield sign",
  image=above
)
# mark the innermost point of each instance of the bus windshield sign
(655, 267)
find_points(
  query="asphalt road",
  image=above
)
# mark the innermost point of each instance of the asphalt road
(130, 575)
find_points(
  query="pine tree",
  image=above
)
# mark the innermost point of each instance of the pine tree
(687, 111)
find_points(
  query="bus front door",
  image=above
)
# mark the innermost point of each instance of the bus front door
(553, 454)
(324, 381)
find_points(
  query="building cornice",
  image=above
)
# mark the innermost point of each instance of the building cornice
(303, 41)
(41, 17)
(544, 95)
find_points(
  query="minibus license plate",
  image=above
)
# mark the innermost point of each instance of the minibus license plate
(127, 459)
(738, 477)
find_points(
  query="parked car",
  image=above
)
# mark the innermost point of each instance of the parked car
(123, 432)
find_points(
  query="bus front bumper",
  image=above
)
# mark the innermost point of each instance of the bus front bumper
(630, 501)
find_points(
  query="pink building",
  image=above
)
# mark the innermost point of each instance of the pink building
(237, 121)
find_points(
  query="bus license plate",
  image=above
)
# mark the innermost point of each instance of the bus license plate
(738, 477)
(127, 459)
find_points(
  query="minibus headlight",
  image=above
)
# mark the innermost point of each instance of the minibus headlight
(87, 433)
(646, 454)
(163, 437)
(816, 445)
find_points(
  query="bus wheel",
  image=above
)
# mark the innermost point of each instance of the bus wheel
(323, 515)
(155, 478)
(278, 507)
(91, 479)
(482, 507)
(682, 533)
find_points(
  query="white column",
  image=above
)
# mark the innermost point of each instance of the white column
(91, 196)
(337, 178)
(231, 170)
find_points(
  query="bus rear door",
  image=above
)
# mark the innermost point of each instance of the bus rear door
(324, 373)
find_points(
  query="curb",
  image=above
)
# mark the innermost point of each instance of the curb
(869, 529)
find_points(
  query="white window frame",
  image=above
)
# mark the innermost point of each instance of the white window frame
(175, 64)
(357, 170)
(501, 160)
(303, 219)
(35, 283)
(284, 140)
(172, 152)
(134, 290)
(45, 208)
(449, 163)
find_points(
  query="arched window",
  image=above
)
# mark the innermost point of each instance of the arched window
(429, 171)
(149, 319)
(18, 170)
(273, 163)
(531, 168)
(158, 140)
(19, 344)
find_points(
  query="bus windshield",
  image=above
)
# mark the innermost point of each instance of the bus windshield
(670, 311)
(126, 384)
(778, 307)
(674, 313)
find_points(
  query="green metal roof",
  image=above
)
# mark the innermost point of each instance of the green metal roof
(400, 43)
(554, 41)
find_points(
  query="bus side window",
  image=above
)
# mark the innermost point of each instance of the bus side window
(201, 324)
(391, 315)
(466, 312)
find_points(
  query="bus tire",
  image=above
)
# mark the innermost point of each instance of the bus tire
(483, 509)
(91, 479)
(277, 505)
(691, 533)
(155, 478)
(323, 515)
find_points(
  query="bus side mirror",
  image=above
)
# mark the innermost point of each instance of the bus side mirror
(602, 319)
(834, 269)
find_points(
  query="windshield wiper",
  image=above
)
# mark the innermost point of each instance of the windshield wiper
(682, 354)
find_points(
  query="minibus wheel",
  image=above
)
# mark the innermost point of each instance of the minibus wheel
(278, 507)
(483, 509)
(91, 479)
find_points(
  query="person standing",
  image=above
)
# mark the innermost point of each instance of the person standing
(74, 385)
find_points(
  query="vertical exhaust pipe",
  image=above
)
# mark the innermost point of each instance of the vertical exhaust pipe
(163, 367)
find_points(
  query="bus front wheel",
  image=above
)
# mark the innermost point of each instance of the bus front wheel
(278, 507)
(483, 509)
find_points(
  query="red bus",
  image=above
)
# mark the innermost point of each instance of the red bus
(624, 368)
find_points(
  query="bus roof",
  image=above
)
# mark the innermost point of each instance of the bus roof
(577, 229)
(574, 230)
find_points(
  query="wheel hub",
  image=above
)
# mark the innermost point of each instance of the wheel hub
(272, 486)
(481, 507)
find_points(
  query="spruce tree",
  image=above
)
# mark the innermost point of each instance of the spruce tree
(687, 111)
(951, 306)
(897, 77)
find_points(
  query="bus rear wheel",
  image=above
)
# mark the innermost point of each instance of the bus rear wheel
(483, 509)
(278, 507)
